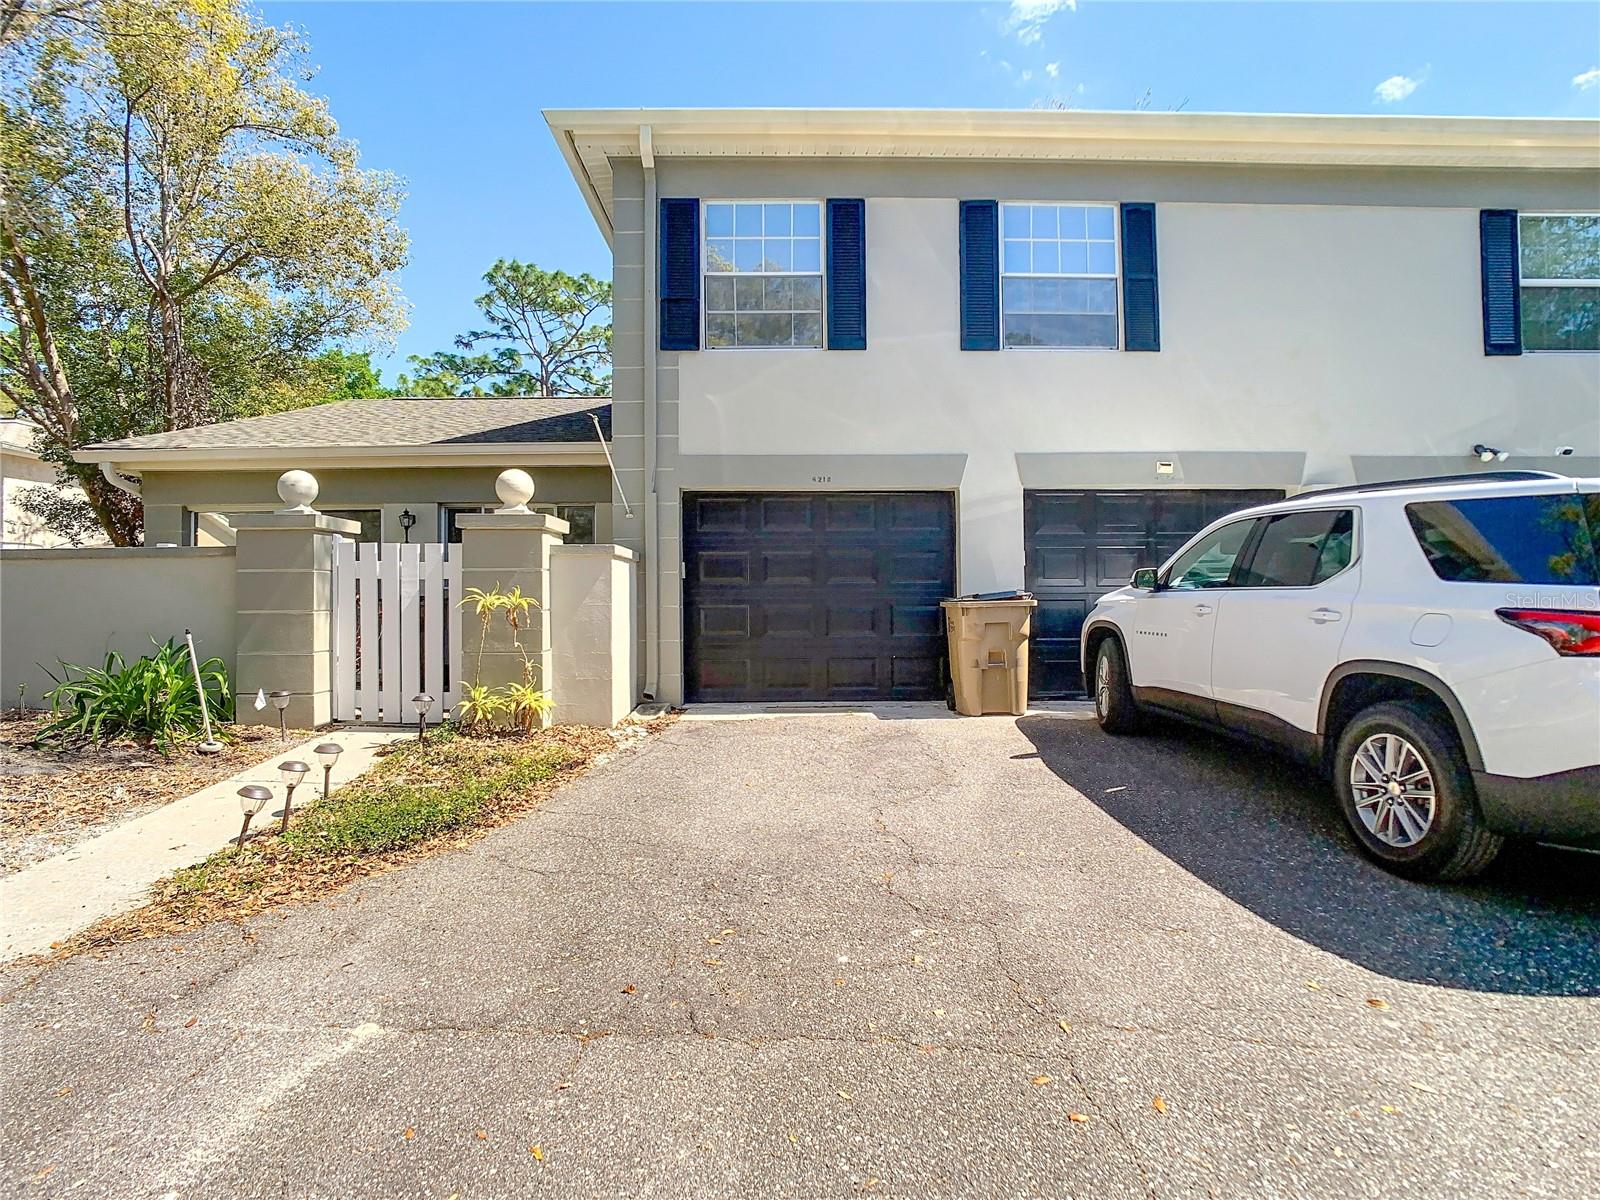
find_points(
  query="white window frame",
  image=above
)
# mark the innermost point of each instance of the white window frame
(822, 237)
(1548, 283)
(1116, 276)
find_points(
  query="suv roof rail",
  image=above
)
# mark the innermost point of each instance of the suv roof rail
(1469, 477)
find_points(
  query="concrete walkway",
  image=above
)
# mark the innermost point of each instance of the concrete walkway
(108, 874)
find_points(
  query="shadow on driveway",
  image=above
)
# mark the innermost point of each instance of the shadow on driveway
(1268, 835)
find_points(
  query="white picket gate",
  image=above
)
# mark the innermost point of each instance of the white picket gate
(396, 630)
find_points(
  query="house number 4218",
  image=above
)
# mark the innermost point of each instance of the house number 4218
(822, 479)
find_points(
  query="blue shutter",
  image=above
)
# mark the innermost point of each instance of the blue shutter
(1141, 304)
(980, 275)
(1502, 281)
(679, 276)
(847, 274)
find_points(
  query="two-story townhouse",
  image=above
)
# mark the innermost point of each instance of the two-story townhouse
(868, 359)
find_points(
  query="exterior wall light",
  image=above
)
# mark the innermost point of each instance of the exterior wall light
(407, 520)
(327, 754)
(1490, 453)
(422, 702)
(280, 701)
(252, 798)
(291, 772)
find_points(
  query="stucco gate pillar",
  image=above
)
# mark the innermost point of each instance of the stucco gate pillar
(593, 600)
(508, 548)
(284, 588)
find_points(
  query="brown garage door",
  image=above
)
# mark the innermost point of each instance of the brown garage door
(816, 596)
(1081, 545)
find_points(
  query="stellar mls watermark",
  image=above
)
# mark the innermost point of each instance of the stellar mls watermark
(1541, 598)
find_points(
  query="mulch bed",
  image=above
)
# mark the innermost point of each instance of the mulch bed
(270, 872)
(53, 798)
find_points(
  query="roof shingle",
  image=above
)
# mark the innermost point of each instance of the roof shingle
(399, 423)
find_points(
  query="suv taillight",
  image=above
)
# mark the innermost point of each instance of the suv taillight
(1569, 633)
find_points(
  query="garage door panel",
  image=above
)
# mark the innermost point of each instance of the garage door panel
(788, 620)
(1115, 565)
(844, 515)
(780, 515)
(800, 596)
(710, 513)
(918, 570)
(917, 620)
(1081, 544)
(846, 621)
(930, 512)
(724, 620)
(1064, 513)
(789, 567)
(723, 567)
(1060, 566)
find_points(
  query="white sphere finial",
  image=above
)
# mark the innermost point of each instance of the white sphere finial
(515, 489)
(297, 489)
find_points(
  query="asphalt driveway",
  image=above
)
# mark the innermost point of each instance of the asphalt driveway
(849, 955)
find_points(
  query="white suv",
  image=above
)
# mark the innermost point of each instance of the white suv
(1434, 645)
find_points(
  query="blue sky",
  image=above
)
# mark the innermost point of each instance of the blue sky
(448, 95)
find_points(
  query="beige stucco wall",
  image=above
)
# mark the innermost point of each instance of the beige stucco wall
(1318, 325)
(592, 604)
(78, 605)
(169, 494)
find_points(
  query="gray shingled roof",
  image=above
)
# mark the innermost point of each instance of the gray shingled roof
(400, 422)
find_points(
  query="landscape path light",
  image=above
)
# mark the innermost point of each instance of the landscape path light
(327, 754)
(253, 797)
(280, 701)
(423, 703)
(292, 772)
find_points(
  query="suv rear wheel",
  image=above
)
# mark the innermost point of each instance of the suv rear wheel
(1114, 704)
(1407, 794)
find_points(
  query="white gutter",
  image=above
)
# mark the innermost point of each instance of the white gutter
(123, 483)
(652, 532)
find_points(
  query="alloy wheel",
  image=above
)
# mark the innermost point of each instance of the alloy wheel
(1393, 789)
(1102, 684)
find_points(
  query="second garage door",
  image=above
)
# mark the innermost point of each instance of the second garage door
(1081, 545)
(816, 596)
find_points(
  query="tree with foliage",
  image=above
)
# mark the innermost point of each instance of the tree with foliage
(543, 337)
(183, 232)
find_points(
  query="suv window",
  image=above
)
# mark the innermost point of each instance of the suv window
(1510, 539)
(1209, 562)
(1301, 549)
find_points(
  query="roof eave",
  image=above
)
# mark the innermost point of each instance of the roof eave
(260, 458)
(1242, 139)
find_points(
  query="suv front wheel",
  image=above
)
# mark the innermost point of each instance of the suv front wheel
(1407, 794)
(1114, 705)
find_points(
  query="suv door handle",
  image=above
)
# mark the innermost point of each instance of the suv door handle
(1202, 609)
(1323, 616)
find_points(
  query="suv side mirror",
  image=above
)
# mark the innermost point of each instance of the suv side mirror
(1145, 579)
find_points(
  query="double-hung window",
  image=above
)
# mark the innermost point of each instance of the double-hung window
(1058, 276)
(1560, 261)
(763, 273)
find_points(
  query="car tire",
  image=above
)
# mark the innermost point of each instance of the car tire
(1406, 792)
(1114, 705)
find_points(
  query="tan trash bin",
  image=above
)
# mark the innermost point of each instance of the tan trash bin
(989, 652)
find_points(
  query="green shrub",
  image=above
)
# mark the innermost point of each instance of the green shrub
(152, 698)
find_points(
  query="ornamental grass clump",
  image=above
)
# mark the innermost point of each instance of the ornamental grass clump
(152, 699)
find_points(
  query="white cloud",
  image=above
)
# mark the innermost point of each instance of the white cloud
(1588, 81)
(1395, 89)
(1025, 76)
(1027, 18)
(1052, 69)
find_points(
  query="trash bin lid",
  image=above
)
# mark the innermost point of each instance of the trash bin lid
(1014, 594)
